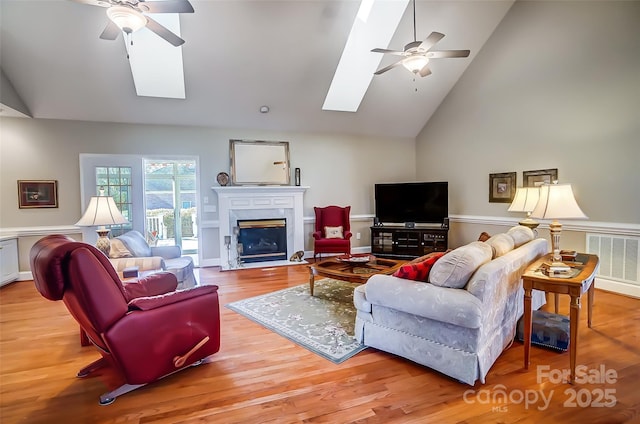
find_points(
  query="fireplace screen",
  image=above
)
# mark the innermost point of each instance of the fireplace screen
(261, 240)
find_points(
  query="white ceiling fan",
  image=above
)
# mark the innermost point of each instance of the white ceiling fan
(128, 16)
(416, 54)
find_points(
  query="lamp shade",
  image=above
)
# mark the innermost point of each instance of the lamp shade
(102, 210)
(525, 199)
(557, 202)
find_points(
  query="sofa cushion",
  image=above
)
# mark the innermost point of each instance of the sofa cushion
(418, 271)
(333, 232)
(118, 249)
(456, 267)
(501, 244)
(135, 243)
(521, 235)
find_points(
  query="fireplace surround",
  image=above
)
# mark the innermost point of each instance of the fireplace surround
(238, 203)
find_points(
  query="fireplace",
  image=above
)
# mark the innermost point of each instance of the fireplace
(262, 240)
(254, 203)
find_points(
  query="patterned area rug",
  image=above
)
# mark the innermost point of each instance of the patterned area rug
(322, 323)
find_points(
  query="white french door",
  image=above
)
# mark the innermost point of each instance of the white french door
(157, 196)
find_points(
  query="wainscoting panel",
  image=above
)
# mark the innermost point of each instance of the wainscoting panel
(619, 261)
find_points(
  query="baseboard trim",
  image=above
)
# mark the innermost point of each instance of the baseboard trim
(618, 287)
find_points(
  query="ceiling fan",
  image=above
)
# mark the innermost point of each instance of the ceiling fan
(416, 54)
(128, 16)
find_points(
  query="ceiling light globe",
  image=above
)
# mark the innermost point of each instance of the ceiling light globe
(127, 19)
(415, 63)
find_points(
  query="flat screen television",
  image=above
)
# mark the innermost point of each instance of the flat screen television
(420, 202)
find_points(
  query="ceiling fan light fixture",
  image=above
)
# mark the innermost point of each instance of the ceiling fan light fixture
(127, 19)
(415, 63)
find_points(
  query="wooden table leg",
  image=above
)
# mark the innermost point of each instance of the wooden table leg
(557, 301)
(590, 302)
(527, 326)
(574, 320)
(311, 280)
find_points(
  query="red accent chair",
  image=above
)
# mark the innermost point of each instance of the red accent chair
(332, 216)
(141, 331)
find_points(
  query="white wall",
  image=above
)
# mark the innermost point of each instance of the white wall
(556, 86)
(339, 169)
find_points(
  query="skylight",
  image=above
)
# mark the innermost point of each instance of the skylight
(156, 65)
(374, 26)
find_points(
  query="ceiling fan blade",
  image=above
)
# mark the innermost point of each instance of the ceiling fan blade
(164, 32)
(386, 68)
(425, 71)
(431, 40)
(111, 31)
(387, 51)
(439, 54)
(166, 6)
(94, 2)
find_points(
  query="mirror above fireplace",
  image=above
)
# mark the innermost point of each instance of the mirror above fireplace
(259, 162)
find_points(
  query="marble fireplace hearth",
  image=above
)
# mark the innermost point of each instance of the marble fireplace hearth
(259, 202)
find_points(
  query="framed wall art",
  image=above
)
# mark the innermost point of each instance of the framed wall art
(539, 177)
(259, 162)
(37, 194)
(502, 187)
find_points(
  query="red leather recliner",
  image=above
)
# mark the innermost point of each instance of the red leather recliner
(332, 216)
(143, 338)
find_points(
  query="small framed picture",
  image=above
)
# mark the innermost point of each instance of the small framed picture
(502, 187)
(539, 177)
(37, 194)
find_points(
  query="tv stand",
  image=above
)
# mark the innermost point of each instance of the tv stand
(399, 242)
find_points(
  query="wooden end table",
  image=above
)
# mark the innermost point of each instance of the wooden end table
(575, 283)
(352, 271)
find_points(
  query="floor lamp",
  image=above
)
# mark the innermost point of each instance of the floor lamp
(557, 202)
(102, 210)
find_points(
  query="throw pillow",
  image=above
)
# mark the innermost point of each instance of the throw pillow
(501, 244)
(484, 236)
(521, 235)
(333, 232)
(418, 271)
(456, 267)
(118, 250)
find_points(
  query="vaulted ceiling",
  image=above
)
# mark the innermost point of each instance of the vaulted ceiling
(238, 56)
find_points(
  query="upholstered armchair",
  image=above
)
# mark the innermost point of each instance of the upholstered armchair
(333, 230)
(143, 336)
(131, 249)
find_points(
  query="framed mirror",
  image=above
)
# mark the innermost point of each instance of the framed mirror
(259, 162)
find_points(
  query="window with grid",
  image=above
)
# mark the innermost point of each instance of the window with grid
(116, 182)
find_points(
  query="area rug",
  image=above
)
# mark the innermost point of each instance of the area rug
(322, 323)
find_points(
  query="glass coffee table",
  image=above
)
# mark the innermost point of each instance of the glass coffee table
(352, 268)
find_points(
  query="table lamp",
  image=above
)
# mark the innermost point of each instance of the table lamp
(102, 210)
(525, 200)
(557, 202)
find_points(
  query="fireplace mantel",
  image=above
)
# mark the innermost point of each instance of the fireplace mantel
(256, 202)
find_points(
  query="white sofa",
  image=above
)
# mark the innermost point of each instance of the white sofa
(131, 249)
(457, 331)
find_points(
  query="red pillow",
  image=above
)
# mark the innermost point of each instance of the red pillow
(418, 271)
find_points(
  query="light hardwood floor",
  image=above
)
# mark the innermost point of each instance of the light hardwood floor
(261, 377)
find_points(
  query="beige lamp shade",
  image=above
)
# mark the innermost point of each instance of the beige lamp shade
(102, 210)
(525, 199)
(557, 202)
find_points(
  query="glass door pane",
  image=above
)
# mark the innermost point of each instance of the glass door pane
(170, 198)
